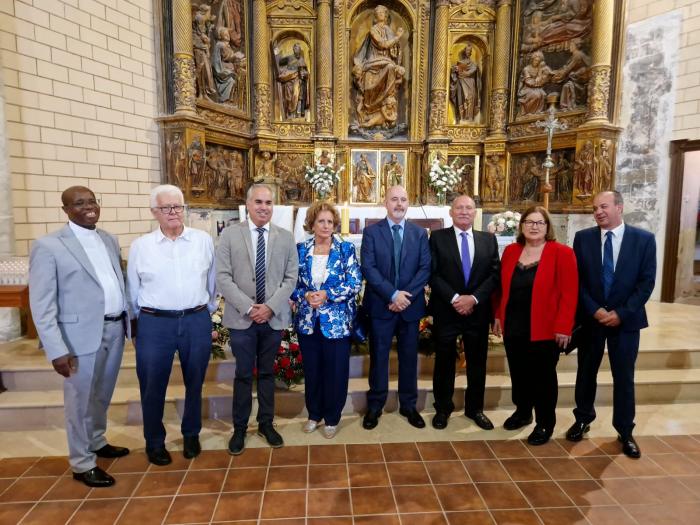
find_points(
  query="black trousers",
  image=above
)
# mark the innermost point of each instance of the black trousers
(533, 376)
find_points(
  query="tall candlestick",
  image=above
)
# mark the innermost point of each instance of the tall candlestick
(345, 220)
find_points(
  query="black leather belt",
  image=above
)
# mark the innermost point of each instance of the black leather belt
(115, 317)
(173, 313)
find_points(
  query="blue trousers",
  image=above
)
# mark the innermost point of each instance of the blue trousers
(326, 371)
(158, 338)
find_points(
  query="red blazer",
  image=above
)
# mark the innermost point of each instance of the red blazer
(554, 292)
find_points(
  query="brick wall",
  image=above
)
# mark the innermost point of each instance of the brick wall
(80, 90)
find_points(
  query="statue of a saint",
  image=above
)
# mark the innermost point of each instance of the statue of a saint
(363, 180)
(378, 74)
(236, 177)
(584, 167)
(230, 17)
(229, 69)
(266, 167)
(200, 44)
(195, 165)
(563, 174)
(531, 187)
(465, 87)
(392, 172)
(577, 71)
(178, 160)
(531, 93)
(605, 167)
(494, 178)
(292, 83)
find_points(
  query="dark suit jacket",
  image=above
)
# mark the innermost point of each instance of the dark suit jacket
(377, 263)
(447, 278)
(635, 274)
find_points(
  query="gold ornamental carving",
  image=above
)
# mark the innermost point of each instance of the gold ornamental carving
(224, 120)
(262, 106)
(185, 94)
(293, 129)
(438, 115)
(324, 110)
(530, 128)
(598, 93)
(498, 107)
(471, 133)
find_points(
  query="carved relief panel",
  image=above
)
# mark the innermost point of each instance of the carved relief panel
(527, 176)
(226, 175)
(290, 169)
(593, 168)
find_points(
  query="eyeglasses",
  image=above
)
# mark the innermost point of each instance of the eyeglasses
(530, 224)
(85, 204)
(167, 210)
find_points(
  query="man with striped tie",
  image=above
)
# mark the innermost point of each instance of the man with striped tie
(256, 272)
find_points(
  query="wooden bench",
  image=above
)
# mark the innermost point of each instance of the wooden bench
(17, 296)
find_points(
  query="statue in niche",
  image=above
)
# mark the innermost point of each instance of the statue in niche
(585, 169)
(201, 45)
(577, 72)
(236, 181)
(265, 167)
(531, 178)
(324, 159)
(177, 157)
(531, 93)
(378, 74)
(292, 76)
(230, 12)
(195, 166)
(465, 87)
(229, 70)
(493, 177)
(605, 167)
(363, 180)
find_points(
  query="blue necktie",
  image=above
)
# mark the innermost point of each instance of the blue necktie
(397, 252)
(466, 259)
(260, 268)
(608, 266)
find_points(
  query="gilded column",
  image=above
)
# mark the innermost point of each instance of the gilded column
(324, 70)
(261, 87)
(501, 63)
(438, 92)
(601, 59)
(183, 60)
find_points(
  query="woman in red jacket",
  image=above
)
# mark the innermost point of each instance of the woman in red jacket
(535, 314)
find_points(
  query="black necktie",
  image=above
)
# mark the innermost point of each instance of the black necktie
(397, 252)
(260, 268)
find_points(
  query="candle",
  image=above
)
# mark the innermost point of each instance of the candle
(345, 220)
(478, 219)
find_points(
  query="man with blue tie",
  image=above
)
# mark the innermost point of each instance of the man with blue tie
(617, 271)
(395, 259)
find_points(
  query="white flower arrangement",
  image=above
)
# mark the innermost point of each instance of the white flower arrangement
(443, 178)
(322, 178)
(505, 224)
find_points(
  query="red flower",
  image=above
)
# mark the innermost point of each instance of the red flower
(299, 358)
(275, 367)
(285, 362)
(281, 350)
(294, 347)
(289, 373)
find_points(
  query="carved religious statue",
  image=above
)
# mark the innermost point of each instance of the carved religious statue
(363, 180)
(392, 174)
(531, 180)
(265, 167)
(236, 181)
(230, 12)
(575, 73)
(605, 167)
(177, 159)
(195, 167)
(531, 93)
(465, 87)
(292, 76)
(201, 24)
(562, 173)
(229, 69)
(585, 169)
(493, 178)
(378, 74)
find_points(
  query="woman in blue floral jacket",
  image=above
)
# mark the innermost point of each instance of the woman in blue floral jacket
(329, 281)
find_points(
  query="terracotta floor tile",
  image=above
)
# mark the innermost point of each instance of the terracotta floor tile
(327, 454)
(682, 443)
(563, 468)
(675, 464)
(211, 459)
(159, 484)
(328, 476)
(408, 473)
(371, 453)
(564, 516)
(245, 479)
(375, 500)
(652, 445)
(515, 517)
(585, 447)
(459, 497)
(472, 450)
(551, 449)
(15, 467)
(284, 504)
(627, 491)
(238, 506)
(544, 494)
(49, 466)
(477, 517)
(288, 521)
(502, 496)
(68, 488)
(602, 467)
(687, 512)
(437, 451)
(400, 452)
(98, 512)
(252, 457)
(659, 514)
(286, 478)
(11, 513)
(179, 463)
(609, 445)
(51, 513)
(105, 463)
(123, 488)
(432, 518)
(4, 483)
(368, 475)
(509, 449)
(416, 498)
(524, 469)
(145, 510)
(27, 489)
(694, 457)
(298, 455)
(486, 470)
(447, 472)
(668, 490)
(693, 483)
(640, 467)
(347, 520)
(384, 519)
(202, 481)
(607, 516)
(586, 493)
(192, 509)
(328, 502)
(134, 462)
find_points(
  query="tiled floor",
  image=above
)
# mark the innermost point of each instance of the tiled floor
(457, 482)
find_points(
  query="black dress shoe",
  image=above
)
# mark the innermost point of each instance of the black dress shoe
(371, 420)
(272, 437)
(630, 447)
(516, 421)
(159, 456)
(95, 477)
(110, 451)
(237, 443)
(414, 418)
(539, 436)
(191, 447)
(481, 420)
(577, 430)
(440, 420)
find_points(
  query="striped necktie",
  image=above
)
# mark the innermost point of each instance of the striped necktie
(260, 267)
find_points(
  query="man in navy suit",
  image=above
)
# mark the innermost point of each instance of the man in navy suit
(617, 270)
(395, 260)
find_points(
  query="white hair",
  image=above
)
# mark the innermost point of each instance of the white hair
(165, 189)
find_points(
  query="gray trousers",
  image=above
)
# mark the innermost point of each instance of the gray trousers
(87, 394)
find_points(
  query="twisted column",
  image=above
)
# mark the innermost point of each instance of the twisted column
(183, 60)
(438, 92)
(601, 60)
(501, 63)
(324, 70)
(261, 86)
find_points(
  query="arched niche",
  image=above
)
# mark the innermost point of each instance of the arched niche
(458, 74)
(282, 44)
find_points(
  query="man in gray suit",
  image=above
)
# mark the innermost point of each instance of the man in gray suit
(76, 293)
(256, 272)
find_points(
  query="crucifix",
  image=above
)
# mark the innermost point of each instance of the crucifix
(550, 125)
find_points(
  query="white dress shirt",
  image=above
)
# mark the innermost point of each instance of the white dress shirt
(470, 243)
(170, 274)
(254, 239)
(98, 256)
(617, 234)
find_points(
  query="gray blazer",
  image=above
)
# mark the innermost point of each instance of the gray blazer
(65, 295)
(235, 275)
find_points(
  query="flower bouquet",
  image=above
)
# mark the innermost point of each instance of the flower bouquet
(504, 224)
(443, 178)
(288, 367)
(322, 178)
(219, 334)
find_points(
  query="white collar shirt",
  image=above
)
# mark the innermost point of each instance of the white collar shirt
(168, 274)
(617, 234)
(470, 242)
(100, 260)
(254, 239)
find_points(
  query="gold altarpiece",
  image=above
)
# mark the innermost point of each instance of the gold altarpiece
(256, 90)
